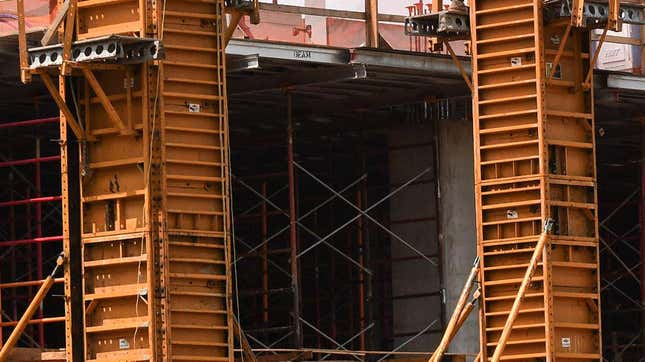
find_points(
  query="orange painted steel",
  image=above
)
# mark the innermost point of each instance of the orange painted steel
(535, 159)
(154, 183)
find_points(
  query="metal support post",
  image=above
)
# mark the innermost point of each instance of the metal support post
(361, 275)
(31, 309)
(265, 259)
(642, 234)
(293, 231)
(39, 234)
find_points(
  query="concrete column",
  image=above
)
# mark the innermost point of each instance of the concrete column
(457, 218)
(415, 281)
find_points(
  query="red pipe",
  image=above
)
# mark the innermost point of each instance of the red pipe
(39, 234)
(33, 122)
(35, 200)
(46, 239)
(29, 161)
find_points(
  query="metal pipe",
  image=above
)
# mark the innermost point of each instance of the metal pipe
(265, 258)
(33, 122)
(28, 251)
(45, 239)
(34, 200)
(279, 232)
(293, 231)
(360, 333)
(332, 340)
(33, 306)
(361, 275)
(29, 161)
(39, 234)
(39, 321)
(642, 236)
(299, 224)
(361, 213)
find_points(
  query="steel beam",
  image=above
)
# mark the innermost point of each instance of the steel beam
(626, 82)
(288, 80)
(302, 53)
(239, 64)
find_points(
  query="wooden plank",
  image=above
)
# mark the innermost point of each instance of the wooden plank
(58, 20)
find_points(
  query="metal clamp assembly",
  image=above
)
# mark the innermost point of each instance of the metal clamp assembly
(596, 13)
(112, 49)
(445, 24)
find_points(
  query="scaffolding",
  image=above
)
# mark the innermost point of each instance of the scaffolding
(31, 234)
(349, 234)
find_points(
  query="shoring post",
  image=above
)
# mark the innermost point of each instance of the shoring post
(451, 329)
(460, 66)
(293, 231)
(31, 309)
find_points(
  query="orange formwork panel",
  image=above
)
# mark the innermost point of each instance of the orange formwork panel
(534, 159)
(155, 185)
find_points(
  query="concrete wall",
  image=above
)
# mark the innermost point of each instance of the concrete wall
(457, 217)
(413, 218)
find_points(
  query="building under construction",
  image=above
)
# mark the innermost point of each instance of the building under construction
(219, 180)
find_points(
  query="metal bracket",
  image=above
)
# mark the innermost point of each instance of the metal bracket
(595, 14)
(110, 49)
(445, 24)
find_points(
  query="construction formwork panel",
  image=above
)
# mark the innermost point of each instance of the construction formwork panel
(534, 159)
(154, 186)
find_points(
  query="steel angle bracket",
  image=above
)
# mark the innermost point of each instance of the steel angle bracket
(114, 49)
(444, 24)
(595, 13)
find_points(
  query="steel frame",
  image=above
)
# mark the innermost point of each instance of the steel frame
(534, 160)
(27, 235)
